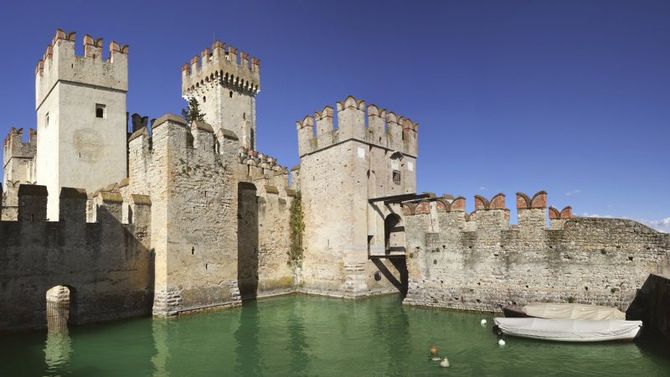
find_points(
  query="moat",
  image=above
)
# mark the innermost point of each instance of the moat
(314, 336)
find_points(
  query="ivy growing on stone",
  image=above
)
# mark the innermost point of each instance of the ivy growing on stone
(297, 225)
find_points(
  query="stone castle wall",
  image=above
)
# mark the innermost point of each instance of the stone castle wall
(341, 168)
(220, 213)
(194, 219)
(264, 243)
(480, 262)
(107, 265)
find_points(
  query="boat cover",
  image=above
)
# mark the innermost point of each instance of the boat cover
(569, 330)
(573, 311)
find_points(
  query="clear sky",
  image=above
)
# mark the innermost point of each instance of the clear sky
(571, 97)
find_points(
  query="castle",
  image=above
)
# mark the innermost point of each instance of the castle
(175, 217)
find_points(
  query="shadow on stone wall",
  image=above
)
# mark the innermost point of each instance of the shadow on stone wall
(105, 268)
(652, 305)
(247, 241)
(400, 265)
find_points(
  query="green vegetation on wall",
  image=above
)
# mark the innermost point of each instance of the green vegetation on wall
(297, 229)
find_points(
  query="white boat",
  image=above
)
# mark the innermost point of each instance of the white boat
(569, 330)
(564, 311)
(572, 311)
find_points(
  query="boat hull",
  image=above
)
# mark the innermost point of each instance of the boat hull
(569, 330)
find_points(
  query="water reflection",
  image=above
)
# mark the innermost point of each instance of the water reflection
(298, 341)
(308, 336)
(248, 355)
(159, 330)
(392, 333)
(57, 349)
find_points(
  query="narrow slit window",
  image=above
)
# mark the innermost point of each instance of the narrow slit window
(46, 120)
(100, 110)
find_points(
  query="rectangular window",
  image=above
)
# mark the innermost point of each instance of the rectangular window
(99, 110)
(46, 120)
(396, 177)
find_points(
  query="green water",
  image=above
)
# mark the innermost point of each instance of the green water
(313, 336)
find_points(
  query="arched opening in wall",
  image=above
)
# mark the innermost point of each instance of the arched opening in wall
(394, 235)
(60, 304)
(247, 241)
(393, 266)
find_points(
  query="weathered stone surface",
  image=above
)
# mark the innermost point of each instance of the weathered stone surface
(106, 266)
(590, 260)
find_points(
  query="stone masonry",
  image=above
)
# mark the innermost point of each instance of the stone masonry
(177, 217)
(480, 262)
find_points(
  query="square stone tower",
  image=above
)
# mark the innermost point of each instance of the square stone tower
(81, 116)
(341, 169)
(225, 86)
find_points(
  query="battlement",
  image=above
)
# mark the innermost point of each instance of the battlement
(15, 147)
(558, 218)
(492, 214)
(221, 66)
(368, 124)
(73, 207)
(60, 63)
(263, 171)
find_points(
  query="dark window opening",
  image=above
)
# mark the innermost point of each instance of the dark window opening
(204, 99)
(99, 111)
(230, 94)
(244, 116)
(396, 177)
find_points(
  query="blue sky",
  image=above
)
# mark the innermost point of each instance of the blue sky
(571, 97)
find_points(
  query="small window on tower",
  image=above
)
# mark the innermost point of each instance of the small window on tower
(396, 177)
(230, 94)
(244, 116)
(46, 120)
(99, 110)
(204, 99)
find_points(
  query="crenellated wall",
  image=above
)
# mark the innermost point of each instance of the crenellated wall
(479, 261)
(60, 63)
(81, 116)
(18, 168)
(355, 120)
(225, 85)
(107, 265)
(341, 169)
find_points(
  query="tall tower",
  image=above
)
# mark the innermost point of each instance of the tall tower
(81, 116)
(341, 169)
(225, 86)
